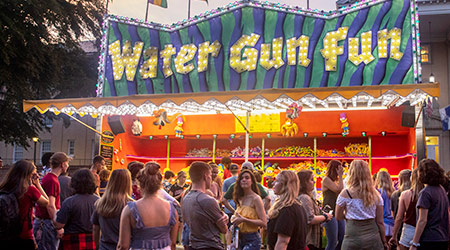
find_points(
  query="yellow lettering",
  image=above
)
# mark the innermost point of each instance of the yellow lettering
(277, 48)
(127, 58)
(186, 54)
(303, 44)
(331, 49)
(395, 35)
(366, 49)
(203, 54)
(149, 67)
(166, 55)
(251, 54)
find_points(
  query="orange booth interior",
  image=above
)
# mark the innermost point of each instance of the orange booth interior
(393, 151)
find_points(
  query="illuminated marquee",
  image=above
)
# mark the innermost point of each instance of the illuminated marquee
(254, 45)
(244, 57)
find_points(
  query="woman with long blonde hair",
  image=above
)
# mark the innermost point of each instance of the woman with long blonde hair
(106, 217)
(385, 187)
(362, 207)
(287, 227)
(407, 214)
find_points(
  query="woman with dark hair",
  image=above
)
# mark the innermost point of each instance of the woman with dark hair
(406, 215)
(151, 222)
(332, 185)
(287, 227)
(106, 217)
(250, 214)
(75, 213)
(313, 213)
(22, 181)
(134, 167)
(432, 207)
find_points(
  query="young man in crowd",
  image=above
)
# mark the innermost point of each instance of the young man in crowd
(47, 237)
(226, 163)
(201, 211)
(98, 163)
(229, 204)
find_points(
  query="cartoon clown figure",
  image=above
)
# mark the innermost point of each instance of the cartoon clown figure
(344, 125)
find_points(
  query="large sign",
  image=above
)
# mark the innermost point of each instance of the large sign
(251, 45)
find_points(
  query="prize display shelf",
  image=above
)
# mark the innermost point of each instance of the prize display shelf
(390, 152)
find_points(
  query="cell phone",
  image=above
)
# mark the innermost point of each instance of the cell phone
(327, 209)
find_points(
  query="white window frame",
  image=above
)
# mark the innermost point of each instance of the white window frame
(69, 147)
(42, 147)
(15, 150)
(48, 122)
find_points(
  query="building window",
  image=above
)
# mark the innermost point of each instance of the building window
(425, 53)
(71, 148)
(48, 122)
(432, 143)
(46, 146)
(18, 153)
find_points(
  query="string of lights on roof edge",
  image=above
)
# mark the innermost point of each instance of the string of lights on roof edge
(310, 102)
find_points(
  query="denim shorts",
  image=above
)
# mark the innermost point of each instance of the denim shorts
(185, 235)
(249, 241)
(407, 234)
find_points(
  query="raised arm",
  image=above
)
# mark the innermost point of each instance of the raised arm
(125, 230)
(405, 196)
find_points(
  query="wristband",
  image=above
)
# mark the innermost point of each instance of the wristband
(326, 217)
(414, 244)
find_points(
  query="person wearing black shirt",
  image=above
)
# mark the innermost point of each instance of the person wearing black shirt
(287, 227)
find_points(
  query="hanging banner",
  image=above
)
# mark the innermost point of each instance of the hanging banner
(253, 45)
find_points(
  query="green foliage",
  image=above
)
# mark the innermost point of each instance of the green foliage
(41, 58)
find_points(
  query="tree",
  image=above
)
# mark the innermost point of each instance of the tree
(41, 58)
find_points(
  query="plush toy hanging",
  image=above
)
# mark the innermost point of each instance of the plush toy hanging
(289, 128)
(179, 127)
(344, 125)
(161, 118)
(136, 128)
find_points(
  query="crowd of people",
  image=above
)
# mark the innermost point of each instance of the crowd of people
(142, 208)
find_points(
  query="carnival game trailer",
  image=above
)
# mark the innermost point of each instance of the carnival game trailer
(278, 85)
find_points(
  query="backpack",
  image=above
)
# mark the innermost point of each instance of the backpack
(10, 226)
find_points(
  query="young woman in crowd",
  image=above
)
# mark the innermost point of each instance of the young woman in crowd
(168, 175)
(104, 177)
(179, 186)
(134, 167)
(250, 214)
(151, 222)
(287, 227)
(313, 213)
(404, 183)
(433, 209)
(75, 213)
(332, 185)
(363, 206)
(385, 187)
(216, 186)
(106, 217)
(407, 214)
(22, 181)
